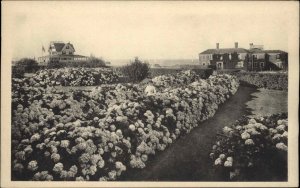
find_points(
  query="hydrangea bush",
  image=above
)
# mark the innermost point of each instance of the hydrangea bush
(252, 145)
(72, 77)
(99, 134)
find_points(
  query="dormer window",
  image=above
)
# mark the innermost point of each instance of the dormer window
(67, 47)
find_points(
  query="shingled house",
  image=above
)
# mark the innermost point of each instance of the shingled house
(253, 59)
(61, 52)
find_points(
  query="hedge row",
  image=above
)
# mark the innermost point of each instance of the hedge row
(278, 81)
(203, 73)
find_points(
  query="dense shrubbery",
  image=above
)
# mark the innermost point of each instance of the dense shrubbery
(25, 65)
(92, 62)
(29, 65)
(98, 134)
(136, 71)
(253, 145)
(203, 73)
(72, 77)
(163, 71)
(277, 81)
(18, 71)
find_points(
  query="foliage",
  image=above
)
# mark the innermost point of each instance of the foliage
(72, 77)
(278, 81)
(55, 64)
(252, 145)
(98, 134)
(92, 62)
(29, 65)
(136, 71)
(18, 71)
(95, 62)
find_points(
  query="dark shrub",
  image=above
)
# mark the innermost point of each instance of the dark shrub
(95, 62)
(27, 64)
(92, 62)
(136, 71)
(278, 81)
(56, 64)
(18, 71)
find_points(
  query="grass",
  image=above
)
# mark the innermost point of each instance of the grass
(267, 102)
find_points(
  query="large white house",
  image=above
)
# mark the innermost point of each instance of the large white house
(61, 52)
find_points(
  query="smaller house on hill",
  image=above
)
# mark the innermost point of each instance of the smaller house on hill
(61, 52)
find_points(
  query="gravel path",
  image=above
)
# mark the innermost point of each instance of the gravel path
(187, 158)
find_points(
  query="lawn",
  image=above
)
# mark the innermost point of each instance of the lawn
(267, 102)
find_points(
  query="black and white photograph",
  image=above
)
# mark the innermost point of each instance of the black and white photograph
(149, 93)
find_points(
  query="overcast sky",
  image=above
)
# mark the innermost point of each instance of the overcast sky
(150, 30)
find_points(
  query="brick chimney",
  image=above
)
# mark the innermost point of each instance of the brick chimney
(217, 46)
(236, 44)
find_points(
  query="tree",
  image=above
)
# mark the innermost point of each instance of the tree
(29, 65)
(136, 71)
(95, 62)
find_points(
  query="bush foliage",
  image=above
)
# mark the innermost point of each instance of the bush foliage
(92, 62)
(278, 81)
(253, 145)
(136, 71)
(98, 134)
(24, 65)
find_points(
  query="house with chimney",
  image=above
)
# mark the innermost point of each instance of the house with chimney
(253, 59)
(61, 52)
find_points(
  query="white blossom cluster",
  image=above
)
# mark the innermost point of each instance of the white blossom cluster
(99, 134)
(247, 143)
(72, 77)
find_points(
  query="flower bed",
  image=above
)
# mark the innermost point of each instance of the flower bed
(73, 77)
(277, 81)
(98, 134)
(253, 145)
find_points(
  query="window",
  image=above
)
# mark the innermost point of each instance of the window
(262, 64)
(67, 47)
(277, 56)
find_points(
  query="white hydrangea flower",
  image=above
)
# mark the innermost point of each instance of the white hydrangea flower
(284, 134)
(245, 135)
(222, 156)
(229, 159)
(228, 164)
(281, 146)
(249, 142)
(218, 161)
(252, 121)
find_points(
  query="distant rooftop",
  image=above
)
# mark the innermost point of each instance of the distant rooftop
(224, 50)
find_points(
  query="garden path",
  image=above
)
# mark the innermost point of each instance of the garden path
(187, 158)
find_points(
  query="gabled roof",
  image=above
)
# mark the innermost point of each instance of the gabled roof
(70, 45)
(57, 45)
(60, 45)
(224, 51)
(258, 51)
